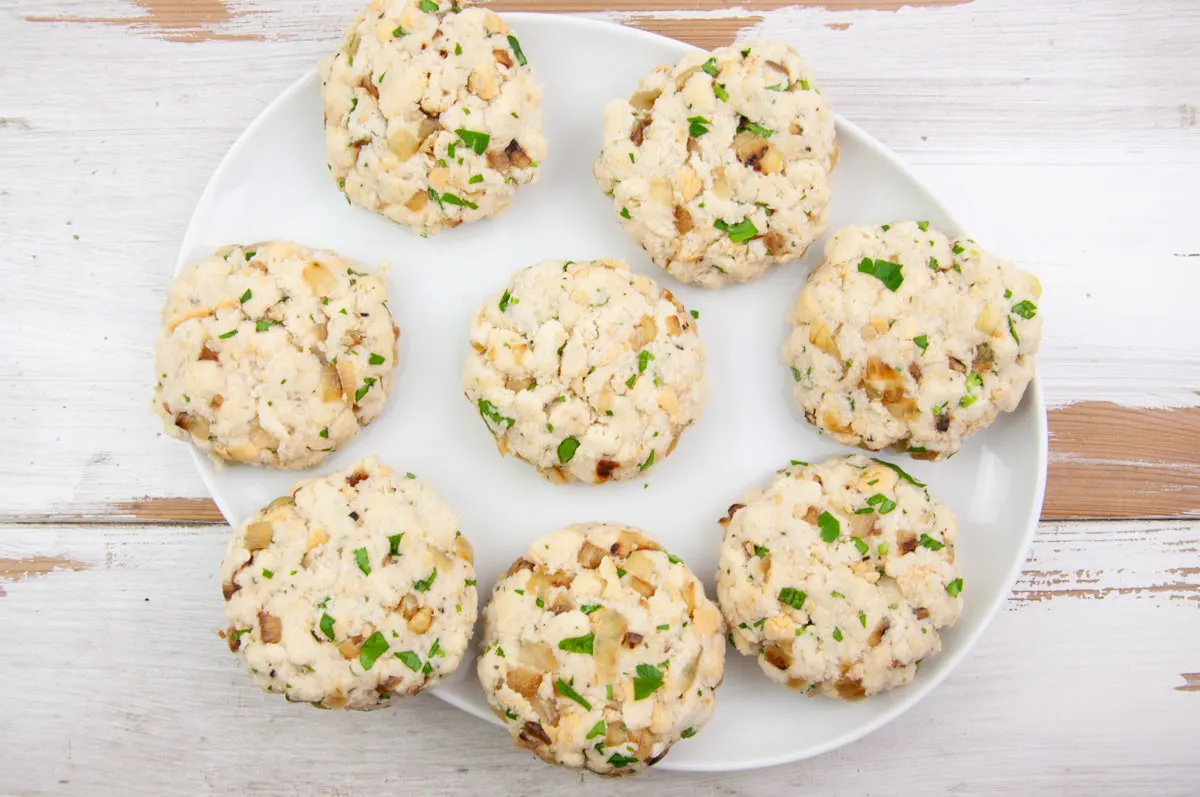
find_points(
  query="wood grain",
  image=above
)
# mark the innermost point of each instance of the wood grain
(135, 675)
(173, 20)
(578, 6)
(706, 32)
(1106, 461)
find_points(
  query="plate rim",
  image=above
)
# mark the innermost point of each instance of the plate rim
(1033, 393)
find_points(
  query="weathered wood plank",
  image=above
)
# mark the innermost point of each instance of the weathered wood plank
(118, 665)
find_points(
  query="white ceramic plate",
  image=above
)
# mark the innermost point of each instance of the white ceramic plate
(274, 184)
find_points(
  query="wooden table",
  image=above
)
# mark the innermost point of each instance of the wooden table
(1063, 134)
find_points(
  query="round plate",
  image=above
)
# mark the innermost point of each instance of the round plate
(274, 184)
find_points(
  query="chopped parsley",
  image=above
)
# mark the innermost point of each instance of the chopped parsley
(625, 213)
(516, 48)
(882, 503)
(884, 548)
(837, 634)
(923, 225)
(372, 649)
(805, 85)
(424, 584)
(364, 563)
(454, 199)
(246, 296)
(228, 334)
(268, 573)
(697, 126)
(967, 401)
(457, 48)
(579, 644)
(860, 545)
(695, 313)
(830, 527)
(739, 233)
(394, 544)
(566, 449)
(644, 358)
(428, 6)
(396, 34)
(647, 681)
(958, 250)
(792, 597)
(761, 551)
(796, 375)
(263, 325)
(504, 301)
(324, 433)
(597, 730)
(933, 264)
(362, 391)
(649, 461)
(488, 412)
(621, 761)
(929, 542)
(900, 472)
(710, 67)
(375, 359)
(1013, 330)
(588, 608)
(687, 733)
(886, 272)
(955, 587)
(862, 619)
(1025, 308)
(475, 178)
(564, 689)
(326, 625)
(411, 660)
(476, 141)
(757, 129)
(922, 342)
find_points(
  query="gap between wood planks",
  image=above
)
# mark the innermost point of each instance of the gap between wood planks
(1106, 461)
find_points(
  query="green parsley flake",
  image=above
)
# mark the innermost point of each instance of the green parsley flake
(958, 250)
(923, 226)
(428, 6)
(647, 681)
(933, 264)
(489, 413)
(862, 619)
(644, 358)
(757, 129)
(720, 92)
(228, 334)
(830, 527)
(860, 545)
(567, 449)
(710, 67)
(695, 313)
(884, 548)
(761, 551)
(504, 301)
(687, 733)
(792, 597)
(411, 660)
(394, 544)
(363, 562)
(268, 573)
(475, 178)
(516, 48)
(922, 342)
(396, 34)
(649, 461)
(579, 644)
(739, 233)
(900, 471)
(264, 325)
(375, 359)
(246, 296)
(804, 84)
(697, 126)
(882, 502)
(621, 761)
(372, 649)
(955, 587)
(588, 608)
(324, 433)
(929, 542)
(425, 584)
(625, 213)
(1013, 330)
(1025, 308)
(837, 634)
(598, 729)
(457, 48)
(967, 401)
(478, 142)
(452, 199)
(326, 625)
(886, 272)
(362, 391)
(564, 689)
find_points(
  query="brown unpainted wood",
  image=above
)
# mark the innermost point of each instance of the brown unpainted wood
(705, 33)
(1106, 461)
(1191, 682)
(34, 566)
(173, 20)
(576, 6)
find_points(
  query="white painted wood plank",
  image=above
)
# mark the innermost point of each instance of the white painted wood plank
(115, 682)
(1078, 158)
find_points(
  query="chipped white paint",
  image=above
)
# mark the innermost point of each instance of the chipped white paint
(118, 669)
(1077, 166)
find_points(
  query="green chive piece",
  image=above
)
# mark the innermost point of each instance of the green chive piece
(246, 296)
(599, 729)
(649, 461)
(900, 472)
(516, 48)
(364, 563)
(411, 660)
(588, 608)
(228, 334)
(644, 358)
(326, 625)
(394, 544)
